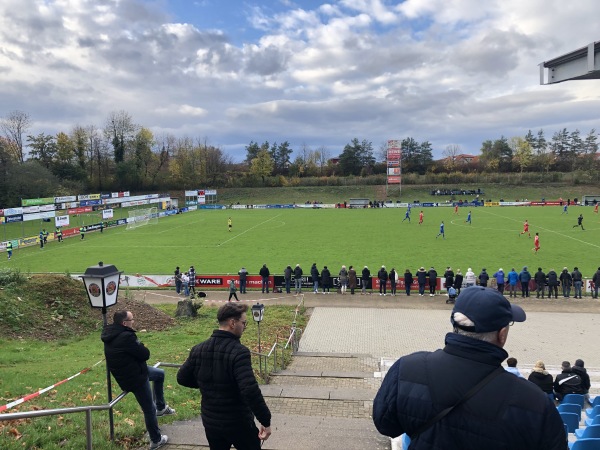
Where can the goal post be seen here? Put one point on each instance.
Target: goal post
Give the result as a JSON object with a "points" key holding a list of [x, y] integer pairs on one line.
{"points": [[140, 217]]}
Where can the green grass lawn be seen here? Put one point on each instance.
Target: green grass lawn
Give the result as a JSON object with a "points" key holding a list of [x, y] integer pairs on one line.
{"points": [[331, 237], [27, 366]]}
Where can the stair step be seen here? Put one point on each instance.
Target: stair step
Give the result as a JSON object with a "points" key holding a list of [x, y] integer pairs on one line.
{"points": [[323, 373], [317, 393]]}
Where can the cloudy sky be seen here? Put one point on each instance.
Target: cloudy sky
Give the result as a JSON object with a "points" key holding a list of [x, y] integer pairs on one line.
{"points": [[314, 73]]}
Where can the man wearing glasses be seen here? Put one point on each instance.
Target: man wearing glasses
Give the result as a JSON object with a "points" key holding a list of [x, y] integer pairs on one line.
{"points": [[221, 368], [461, 397], [126, 358]]}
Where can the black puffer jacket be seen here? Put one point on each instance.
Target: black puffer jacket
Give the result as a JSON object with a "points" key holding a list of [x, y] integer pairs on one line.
{"points": [[221, 368], [125, 356], [507, 413]]}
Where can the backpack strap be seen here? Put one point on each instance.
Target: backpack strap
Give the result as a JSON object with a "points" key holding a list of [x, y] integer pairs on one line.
{"points": [[443, 413]]}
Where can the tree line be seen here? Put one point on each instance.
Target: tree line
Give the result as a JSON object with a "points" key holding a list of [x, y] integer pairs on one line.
{"points": [[123, 155]]}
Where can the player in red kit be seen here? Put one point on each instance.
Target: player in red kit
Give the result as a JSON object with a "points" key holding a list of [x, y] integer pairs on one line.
{"points": [[420, 217], [536, 243], [526, 228]]}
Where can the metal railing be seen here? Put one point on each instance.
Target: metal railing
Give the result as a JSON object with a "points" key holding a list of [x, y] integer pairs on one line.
{"points": [[292, 341]]}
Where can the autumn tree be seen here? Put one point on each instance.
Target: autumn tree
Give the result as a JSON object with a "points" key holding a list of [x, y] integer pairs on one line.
{"points": [[262, 165], [119, 129], [42, 148], [15, 126]]}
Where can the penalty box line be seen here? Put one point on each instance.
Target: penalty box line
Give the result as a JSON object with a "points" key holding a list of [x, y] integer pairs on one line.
{"points": [[249, 229]]}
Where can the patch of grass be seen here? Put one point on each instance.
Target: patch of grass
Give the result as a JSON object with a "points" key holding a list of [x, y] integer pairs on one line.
{"points": [[27, 366]]}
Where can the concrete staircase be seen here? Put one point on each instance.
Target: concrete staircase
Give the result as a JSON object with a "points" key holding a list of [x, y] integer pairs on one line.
{"points": [[321, 401]]}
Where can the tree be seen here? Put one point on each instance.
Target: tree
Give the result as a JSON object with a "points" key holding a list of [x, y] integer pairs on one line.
{"points": [[416, 157], [559, 146], [451, 152], [262, 165], [323, 158], [65, 165], [356, 156], [79, 139], [522, 152], [496, 155], [253, 149], [15, 126], [281, 156], [43, 148], [120, 129]]}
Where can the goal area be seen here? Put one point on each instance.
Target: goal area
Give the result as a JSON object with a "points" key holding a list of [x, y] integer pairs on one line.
{"points": [[140, 217]]}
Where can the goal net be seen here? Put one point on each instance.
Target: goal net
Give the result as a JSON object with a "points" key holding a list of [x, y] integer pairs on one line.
{"points": [[141, 217]]}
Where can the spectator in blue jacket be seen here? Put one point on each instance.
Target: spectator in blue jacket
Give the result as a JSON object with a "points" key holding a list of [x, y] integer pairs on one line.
{"points": [[513, 278], [505, 412], [499, 276], [524, 278]]}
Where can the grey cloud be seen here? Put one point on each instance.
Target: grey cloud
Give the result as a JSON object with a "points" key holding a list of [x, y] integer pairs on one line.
{"points": [[267, 61]]}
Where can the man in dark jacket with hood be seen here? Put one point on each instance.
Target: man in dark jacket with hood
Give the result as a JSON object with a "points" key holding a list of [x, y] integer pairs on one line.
{"points": [[221, 368], [264, 273], [524, 278], [126, 359], [483, 278], [421, 280], [580, 370], [432, 275], [504, 412], [314, 274], [365, 279], [287, 276], [567, 382], [552, 283]]}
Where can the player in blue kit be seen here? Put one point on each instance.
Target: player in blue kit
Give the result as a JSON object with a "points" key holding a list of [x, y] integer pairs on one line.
{"points": [[441, 233]]}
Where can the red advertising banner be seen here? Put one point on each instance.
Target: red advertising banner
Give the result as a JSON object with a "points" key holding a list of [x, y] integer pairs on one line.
{"points": [[394, 179], [394, 154], [400, 286], [222, 281], [82, 210]]}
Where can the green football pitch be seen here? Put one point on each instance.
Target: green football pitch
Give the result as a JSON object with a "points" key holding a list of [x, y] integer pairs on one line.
{"points": [[332, 237]]}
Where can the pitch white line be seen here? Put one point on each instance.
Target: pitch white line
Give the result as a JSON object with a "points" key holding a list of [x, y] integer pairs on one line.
{"points": [[547, 229], [249, 229]]}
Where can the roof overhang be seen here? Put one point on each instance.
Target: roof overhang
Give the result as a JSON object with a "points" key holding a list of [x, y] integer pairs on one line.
{"points": [[580, 64]]}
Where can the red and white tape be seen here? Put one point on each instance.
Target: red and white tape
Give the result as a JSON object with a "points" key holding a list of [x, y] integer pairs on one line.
{"points": [[40, 392]]}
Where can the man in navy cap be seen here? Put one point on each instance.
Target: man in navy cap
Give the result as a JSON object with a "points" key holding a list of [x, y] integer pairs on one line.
{"points": [[460, 397]]}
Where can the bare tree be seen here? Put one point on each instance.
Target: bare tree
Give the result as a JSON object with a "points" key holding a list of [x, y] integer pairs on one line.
{"points": [[451, 152], [15, 126], [324, 157], [120, 129]]}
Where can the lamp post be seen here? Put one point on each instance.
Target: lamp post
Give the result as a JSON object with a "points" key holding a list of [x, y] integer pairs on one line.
{"points": [[258, 312], [102, 288]]}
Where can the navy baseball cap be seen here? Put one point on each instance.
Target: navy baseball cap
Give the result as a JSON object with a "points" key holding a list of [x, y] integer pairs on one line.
{"points": [[487, 308]]}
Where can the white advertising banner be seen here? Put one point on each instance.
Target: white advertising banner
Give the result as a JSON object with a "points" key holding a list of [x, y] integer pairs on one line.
{"points": [[107, 214], [61, 221]]}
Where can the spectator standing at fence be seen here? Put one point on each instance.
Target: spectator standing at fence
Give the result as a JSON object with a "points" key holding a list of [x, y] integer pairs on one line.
{"points": [[365, 280], [126, 359], [566, 281], [595, 281], [484, 277], [298, 278], [470, 278], [382, 276], [577, 281], [540, 282], [513, 279], [524, 278], [185, 282], [421, 280], [393, 276], [192, 283], [325, 279], [499, 276], [343, 277], [552, 278], [243, 273], [177, 275], [579, 222], [264, 274], [221, 368], [314, 274], [488, 407], [432, 276], [449, 277], [458, 281], [408, 280], [287, 278], [352, 279]]}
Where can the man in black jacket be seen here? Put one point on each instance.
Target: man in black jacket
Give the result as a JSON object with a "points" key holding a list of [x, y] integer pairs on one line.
{"points": [[126, 359], [540, 282], [504, 413], [365, 280], [567, 382], [432, 275], [221, 368], [265, 273]]}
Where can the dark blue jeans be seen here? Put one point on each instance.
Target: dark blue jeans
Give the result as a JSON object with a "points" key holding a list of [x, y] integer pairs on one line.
{"points": [[144, 396], [243, 438], [265, 284]]}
